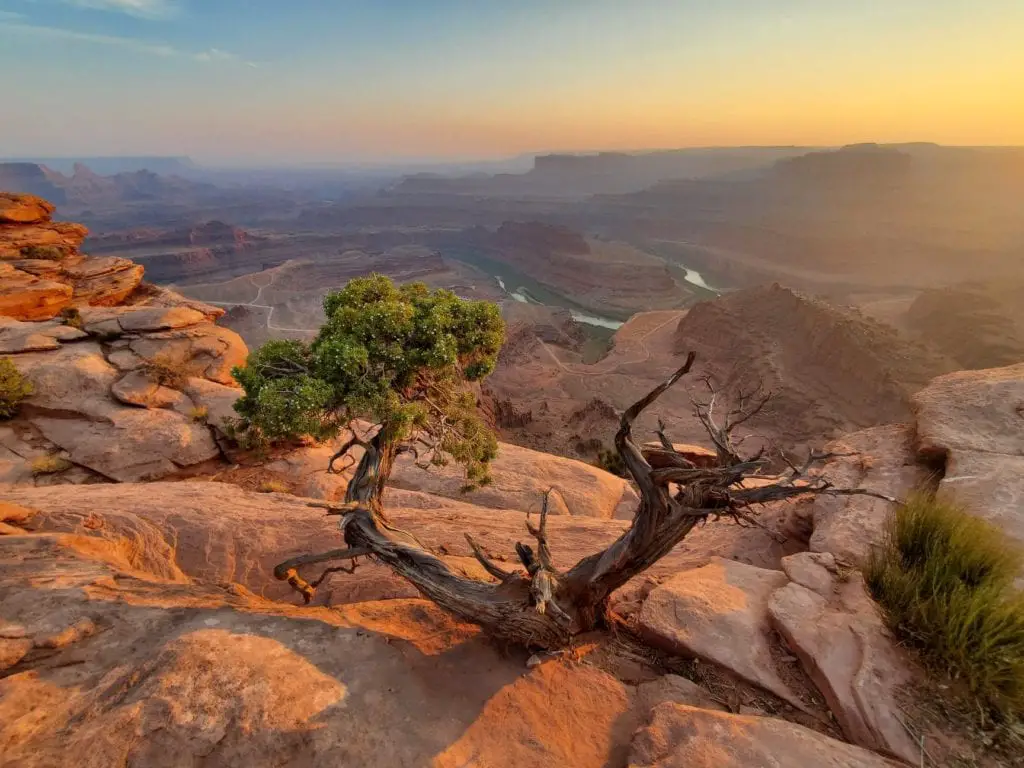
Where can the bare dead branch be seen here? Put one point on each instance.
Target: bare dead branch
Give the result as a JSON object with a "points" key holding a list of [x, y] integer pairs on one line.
{"points": [[499, 573], [288, 570], [541, 533]]}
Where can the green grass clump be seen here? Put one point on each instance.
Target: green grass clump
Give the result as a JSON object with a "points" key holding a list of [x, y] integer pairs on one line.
{"points": [[944, 580], [14, 388]]}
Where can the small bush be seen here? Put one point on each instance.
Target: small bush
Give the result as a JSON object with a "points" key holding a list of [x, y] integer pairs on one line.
{"points": [[50, 464], [610, 461], [70, 316], [944, 580], [199, 414], [13, 388], [274, 486], [46, 252], [170, 369]]}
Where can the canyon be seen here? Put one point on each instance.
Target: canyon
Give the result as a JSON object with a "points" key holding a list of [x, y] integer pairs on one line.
{"points": [[141, 621]]}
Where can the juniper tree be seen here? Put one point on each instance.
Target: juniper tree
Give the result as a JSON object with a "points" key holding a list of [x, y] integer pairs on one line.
{"points": [[400, 357]]}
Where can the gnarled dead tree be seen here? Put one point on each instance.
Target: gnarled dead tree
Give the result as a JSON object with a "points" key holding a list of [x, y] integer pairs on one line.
{"points": [[537, 604]]}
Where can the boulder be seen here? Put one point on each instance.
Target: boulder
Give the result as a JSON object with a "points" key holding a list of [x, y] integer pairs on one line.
{"points": [[677, 690], [702, 457], [131, 319], [26, 297], [136, 388], [23, 209], [103, 280], [60, 238], [75, 410], [719, 613], [219, 401], [879, 459], [17, 336], [210, 350], [686, 737], [520, 479], [973, 421], [833, 628], [132, 444]]}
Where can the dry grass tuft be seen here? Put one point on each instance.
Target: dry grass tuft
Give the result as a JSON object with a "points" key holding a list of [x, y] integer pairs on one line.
{"points": [[171, 369], [50, 464], [274, 486]]}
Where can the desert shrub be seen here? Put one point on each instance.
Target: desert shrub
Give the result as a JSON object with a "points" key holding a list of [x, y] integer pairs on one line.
{"points": [[944, 580], [46, 252], [13, 388], [71, 316], [199, 414], [610, 461], [273, 486], [49, 464], [170, 369]]}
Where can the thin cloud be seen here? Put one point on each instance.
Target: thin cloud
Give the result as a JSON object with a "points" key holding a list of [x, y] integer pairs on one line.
{"points": [[10, 16], [144, 9], [213, 55]]}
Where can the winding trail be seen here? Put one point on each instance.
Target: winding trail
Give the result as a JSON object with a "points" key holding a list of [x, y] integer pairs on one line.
{"points": [[676, 317], [259, 295]]}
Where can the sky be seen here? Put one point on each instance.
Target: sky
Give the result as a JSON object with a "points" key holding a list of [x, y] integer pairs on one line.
{"points": [[274, 81]]}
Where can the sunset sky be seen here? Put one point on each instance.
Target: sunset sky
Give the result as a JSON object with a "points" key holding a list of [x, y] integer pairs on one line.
{"points": [[302, 80]]}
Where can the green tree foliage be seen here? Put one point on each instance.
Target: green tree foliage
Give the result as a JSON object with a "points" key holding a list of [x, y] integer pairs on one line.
{"points": [[13, 388], [398, 356]]}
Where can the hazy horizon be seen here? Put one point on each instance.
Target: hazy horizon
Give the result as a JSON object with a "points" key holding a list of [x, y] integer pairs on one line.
{"points": [[448, 81]]}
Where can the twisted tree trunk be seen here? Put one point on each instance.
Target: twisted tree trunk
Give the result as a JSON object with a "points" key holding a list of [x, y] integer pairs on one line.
{"points": [[538, 605]]}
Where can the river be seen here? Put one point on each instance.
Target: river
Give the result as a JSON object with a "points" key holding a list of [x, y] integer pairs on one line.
{"points": [[523, 297]]}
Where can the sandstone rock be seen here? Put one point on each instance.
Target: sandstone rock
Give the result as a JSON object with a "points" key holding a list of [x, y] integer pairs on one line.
{"points": [[815, 570], [16, 514], [218, 400], [74, 379], [59, 237], [974, 422], [880, 459], [194, 673], [158, 296], [972, 411], [990, 485], [12, 651], [124, 359], [719, 613], [218, 533], [16, 336], [702, 457], [686, 737], [845, 649], [26, 297], [520, 478], [23, 209], [103, 280], [675, 689], [136, 388], [132, 444], [138, 319], [211, 350]]}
